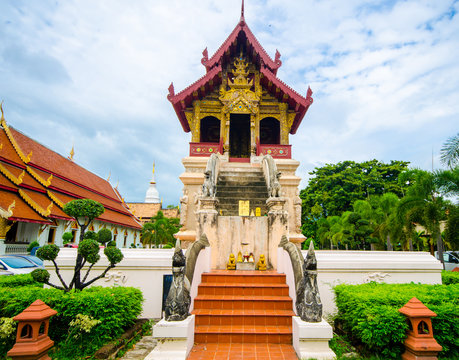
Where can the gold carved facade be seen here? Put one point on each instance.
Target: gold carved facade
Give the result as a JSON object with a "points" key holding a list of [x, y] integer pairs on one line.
{"points": [[240, 93]]}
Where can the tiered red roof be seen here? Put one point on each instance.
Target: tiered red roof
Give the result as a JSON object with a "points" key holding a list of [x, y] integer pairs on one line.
{"points": [[256, 54], [41, 182]]}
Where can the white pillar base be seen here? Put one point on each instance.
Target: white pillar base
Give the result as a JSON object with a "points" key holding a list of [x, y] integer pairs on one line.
{"points": [[175, 339], [310, 340]]}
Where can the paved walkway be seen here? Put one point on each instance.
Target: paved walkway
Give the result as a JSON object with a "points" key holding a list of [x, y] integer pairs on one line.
{"points": [[140, 350]]}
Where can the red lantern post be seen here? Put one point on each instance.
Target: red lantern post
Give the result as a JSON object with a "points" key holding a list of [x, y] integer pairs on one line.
{"points": [[32, 341], [420, 343]]}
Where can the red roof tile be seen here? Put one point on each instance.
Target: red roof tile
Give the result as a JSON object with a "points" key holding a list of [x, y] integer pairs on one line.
{"points": [[25, 175], [273, 65], [21, 211], [54, 163], [268, 67]]}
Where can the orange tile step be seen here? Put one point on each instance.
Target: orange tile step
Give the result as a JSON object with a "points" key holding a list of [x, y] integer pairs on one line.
{"points": [[237, 351], [228, 276], [243, 334], [260, 289], [243, 317], [217, 302]]}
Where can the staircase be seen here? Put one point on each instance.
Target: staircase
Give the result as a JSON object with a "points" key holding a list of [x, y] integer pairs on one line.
{"points": [[246, 183], [243, 307]]}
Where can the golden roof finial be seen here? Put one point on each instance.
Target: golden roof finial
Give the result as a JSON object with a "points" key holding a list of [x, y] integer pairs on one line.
{"points": [[153, 167], [72, 152], [109, 174], [117, 183], [1, 108]]}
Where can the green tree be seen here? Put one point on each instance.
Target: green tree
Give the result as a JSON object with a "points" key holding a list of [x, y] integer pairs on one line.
{"points": [[160, 230], [386, 226], [447, 181], [423, 205], [84, 211], [335, 187], [449, 153]]}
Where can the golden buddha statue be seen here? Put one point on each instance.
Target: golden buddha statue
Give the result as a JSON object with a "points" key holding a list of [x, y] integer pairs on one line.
{"points": [[239, 257], [231, 263], [261, 264]]}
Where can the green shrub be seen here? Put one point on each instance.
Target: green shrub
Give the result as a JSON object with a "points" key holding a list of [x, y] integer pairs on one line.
{"points": [[18, 280], [116, 308], [369, 312], [449, 277], [32, 245]]}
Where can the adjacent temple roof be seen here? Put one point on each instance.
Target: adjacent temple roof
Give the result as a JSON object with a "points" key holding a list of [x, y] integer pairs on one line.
{"points": [[36, 183], [255, 53]]}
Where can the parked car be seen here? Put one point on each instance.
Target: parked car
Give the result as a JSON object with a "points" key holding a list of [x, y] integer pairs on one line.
{"points": [[451, 260], [5, 272], [16, 264], [36, 260]]}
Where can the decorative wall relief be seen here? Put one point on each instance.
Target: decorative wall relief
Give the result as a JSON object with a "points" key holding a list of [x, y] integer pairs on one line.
{"points": [[376, 277], [118, 277]]}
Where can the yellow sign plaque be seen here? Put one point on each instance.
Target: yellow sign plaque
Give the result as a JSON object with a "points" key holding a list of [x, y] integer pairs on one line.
{"points": [[257, 211], [244, 207]]}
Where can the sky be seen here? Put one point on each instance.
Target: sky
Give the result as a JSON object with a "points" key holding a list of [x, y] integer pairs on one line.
{"points": [[94, 75]]}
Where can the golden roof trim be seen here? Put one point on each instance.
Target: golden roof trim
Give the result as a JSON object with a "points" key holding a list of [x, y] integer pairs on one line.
{"points": [[13, 142], [16, 180], [55, 199], [34, 205], [45, 183]]}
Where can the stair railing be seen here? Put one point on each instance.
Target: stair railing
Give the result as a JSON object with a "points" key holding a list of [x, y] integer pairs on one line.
{"points": [[271, 176], [209, 187]]}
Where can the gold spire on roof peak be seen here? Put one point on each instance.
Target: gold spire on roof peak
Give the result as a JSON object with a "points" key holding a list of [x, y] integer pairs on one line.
{"points": [[1, 108], [109, 175], [72, 152], [153, 167]]}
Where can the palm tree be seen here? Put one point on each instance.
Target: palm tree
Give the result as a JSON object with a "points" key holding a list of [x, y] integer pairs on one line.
{"points": [[387, 228], [425, 206], [447, 181], [449, 153]]}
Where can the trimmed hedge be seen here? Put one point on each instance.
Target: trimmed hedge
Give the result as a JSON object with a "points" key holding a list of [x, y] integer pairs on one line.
{"points": [[18, 280], [117, 308], [369, 314], [449, 277]]}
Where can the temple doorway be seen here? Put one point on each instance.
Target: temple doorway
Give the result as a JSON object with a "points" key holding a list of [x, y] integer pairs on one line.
{"points": [[239, 137]]}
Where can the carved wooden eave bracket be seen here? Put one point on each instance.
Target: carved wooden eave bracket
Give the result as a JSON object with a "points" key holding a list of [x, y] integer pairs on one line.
{"points": [[13, 141], [36, 176], [17, 180], [5, 214], [43, 212]]}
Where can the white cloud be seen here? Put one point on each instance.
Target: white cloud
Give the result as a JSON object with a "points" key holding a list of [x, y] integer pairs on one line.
{"points": [[384, 75]]}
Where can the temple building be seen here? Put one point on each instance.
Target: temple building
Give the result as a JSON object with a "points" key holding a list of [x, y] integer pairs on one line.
{"points": [[36, 183], [242, 112]]}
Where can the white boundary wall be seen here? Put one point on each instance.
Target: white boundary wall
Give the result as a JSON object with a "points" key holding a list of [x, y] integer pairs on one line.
{"points": [[358, 267], [144, 269]]}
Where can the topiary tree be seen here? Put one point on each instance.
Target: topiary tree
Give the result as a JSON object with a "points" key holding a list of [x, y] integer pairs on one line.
{"points": [[84, 211], [104, 236], [67, 237]]}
